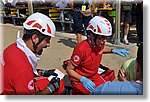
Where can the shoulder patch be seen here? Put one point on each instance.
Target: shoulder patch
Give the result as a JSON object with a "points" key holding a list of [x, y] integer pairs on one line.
{"points": [[31, 85], [76, 58]]}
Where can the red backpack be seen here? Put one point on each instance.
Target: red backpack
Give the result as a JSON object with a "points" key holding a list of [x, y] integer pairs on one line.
{"points": [[106, 73]]}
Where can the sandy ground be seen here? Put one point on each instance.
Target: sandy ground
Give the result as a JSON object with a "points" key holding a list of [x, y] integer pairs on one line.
{"points": [[62, 47]]}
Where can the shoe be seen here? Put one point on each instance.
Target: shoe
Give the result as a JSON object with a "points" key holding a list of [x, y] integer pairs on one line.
{"points": [[67, 19], [125, 41]]}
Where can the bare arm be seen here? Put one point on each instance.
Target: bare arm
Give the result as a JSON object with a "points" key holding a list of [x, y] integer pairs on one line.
{"points": [[122, 75], [70, 71], [107, 50]]}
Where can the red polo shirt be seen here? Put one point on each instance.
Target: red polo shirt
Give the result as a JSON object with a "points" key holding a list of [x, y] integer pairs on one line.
{"points": [[18, 72], [86, 59]]}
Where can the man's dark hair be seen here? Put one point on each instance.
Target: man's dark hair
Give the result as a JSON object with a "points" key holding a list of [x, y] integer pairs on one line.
{"points": [[28, 34], [140, 54]]}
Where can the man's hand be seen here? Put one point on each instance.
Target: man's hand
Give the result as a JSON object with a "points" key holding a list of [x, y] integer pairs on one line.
{"points": [[88, 84], [54, 84], [122, 75], [47, 73], [122, 52]]}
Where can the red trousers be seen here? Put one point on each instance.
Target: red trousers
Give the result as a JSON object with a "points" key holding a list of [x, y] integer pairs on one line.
{"points": [[79, 89]]}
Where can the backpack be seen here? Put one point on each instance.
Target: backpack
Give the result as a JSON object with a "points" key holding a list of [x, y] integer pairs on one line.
{"points": [[106, 73]]}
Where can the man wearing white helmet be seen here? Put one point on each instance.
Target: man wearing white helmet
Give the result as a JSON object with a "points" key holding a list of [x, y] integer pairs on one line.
{"points": [[87, 55], [20, 58]]}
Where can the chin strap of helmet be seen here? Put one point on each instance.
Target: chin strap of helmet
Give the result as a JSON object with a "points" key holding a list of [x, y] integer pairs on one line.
{"points": [[89, 38], [35, 46], [95, 37]]}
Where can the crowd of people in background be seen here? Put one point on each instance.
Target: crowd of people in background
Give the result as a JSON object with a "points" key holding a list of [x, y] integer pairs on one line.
{"points": [[131, 14]]}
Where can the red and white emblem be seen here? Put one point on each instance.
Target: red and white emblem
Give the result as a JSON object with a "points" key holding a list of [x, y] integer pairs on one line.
{"points": [[76, 58], [31, 85]]}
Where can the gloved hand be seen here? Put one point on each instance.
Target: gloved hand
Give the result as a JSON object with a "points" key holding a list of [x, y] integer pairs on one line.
{"points": [[122, 52], [47, 73], [54, 84], [88, 84]]}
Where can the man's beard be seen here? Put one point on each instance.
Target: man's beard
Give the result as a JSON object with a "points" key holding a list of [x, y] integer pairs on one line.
{"points": [[40, 52]]}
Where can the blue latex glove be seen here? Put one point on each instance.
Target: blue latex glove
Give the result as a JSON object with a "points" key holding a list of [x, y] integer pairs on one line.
{"points": [[122, 52], [88, 84]]}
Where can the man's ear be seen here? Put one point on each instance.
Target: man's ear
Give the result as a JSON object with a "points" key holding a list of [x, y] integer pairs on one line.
{"points": [[35, 38]]}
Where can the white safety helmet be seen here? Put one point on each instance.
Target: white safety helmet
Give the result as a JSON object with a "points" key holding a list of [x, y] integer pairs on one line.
{"points": [[41, 23], [100, 26]]}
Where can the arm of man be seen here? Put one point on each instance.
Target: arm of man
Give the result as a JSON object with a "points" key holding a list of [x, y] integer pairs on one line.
{"points": [[76, 59], [46, 73], [52, 87], [70, 70], [122, 75], [107, 50], [88, 84], [121, 52]]}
